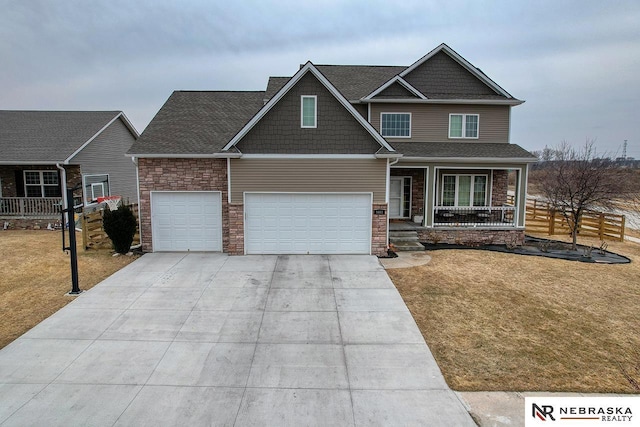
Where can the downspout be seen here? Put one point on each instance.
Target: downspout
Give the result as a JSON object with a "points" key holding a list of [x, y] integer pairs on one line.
{"points": [[65, 203], [135, 162]]}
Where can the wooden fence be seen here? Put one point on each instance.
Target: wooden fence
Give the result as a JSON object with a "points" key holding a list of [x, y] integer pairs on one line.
{"points": [[93, 235], [541, 218]]}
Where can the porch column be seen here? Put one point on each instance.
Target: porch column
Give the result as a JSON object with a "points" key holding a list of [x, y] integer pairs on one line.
{"points": [[429, 197]]}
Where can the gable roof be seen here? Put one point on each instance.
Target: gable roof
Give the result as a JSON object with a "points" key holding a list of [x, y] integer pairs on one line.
{"points": [[40, 137], [476, 72], [197, 122], [308, 68], [399, 81]]}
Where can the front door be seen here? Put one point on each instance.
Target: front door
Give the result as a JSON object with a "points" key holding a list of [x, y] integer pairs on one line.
{"points": [[399, 197]]}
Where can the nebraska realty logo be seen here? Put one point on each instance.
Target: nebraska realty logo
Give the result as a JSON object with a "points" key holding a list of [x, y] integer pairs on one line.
{"points": [[582, 411]]}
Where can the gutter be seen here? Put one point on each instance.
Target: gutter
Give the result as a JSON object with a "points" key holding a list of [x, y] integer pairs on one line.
{"points": [[21, 162], [389, 156], [473, 159], [186, 156], [442, 101]]}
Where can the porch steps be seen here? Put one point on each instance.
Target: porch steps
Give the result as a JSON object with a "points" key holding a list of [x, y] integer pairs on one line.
{"points": [[405, 240]]}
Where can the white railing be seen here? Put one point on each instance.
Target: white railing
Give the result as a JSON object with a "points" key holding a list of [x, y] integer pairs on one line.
{"points": [[485, 216], [30, 206]]}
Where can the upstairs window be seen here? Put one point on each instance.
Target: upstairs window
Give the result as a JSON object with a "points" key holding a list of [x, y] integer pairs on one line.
{"points": [[308, 111], [395, 125], [463, 125], [41, 184]]}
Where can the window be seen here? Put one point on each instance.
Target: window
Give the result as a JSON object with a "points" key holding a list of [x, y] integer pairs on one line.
{"points": [[41, 184], [308, 111], [463, 125], [397, 125], [464, 190]]}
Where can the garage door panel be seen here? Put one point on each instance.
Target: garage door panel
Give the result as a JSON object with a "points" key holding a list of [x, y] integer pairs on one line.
{"points": [[307, 223], [186, 221]]}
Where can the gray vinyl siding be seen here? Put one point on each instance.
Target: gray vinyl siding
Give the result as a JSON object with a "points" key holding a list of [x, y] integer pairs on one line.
{"points": [[280, 132], [442, 77], [106, 155], [308, 175], [430, 122], [362, 109], [395, 91]]}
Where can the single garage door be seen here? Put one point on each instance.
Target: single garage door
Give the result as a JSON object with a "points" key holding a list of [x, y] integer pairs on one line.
{"points": [[186, 220], [309, 223]]}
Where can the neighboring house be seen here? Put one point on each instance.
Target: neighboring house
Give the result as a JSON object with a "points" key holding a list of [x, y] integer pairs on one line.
{"points": [[325, 161], [42, 153]]}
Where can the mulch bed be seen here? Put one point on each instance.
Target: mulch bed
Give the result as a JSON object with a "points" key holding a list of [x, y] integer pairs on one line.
{"points": [[535, 246]]}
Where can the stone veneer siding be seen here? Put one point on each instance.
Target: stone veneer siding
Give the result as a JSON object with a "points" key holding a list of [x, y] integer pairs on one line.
{"points": [[471, 236], [236, 229], [379, 242], [499, 187], [181, 175]]}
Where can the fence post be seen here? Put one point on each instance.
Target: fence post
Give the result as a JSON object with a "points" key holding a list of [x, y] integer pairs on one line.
{"points": [[84, 231], [622, 228], [601, 226], [552, 222]]}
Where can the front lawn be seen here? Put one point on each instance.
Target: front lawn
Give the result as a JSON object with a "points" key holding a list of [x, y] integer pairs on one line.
{"points": [[35, 275], [497, 321]]}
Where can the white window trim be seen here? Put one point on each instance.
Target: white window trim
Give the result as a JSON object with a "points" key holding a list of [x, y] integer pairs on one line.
{"points": [[315, 111], [464, 126], [471, 189], [396, 112], [42, 184]]}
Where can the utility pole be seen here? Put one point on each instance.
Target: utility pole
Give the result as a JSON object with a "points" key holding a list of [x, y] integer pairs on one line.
{"points": [[624, 150]]}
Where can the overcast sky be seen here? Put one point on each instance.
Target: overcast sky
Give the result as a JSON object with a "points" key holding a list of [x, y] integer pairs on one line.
{"points": [[575, 63]]}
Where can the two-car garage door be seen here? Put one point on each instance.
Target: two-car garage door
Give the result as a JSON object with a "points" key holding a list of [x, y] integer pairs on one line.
{"points": [[307, 223], [274, 223]]}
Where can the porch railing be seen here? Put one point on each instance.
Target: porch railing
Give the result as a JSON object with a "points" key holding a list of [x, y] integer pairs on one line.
{"points": [[30, 206], [485, 216]]}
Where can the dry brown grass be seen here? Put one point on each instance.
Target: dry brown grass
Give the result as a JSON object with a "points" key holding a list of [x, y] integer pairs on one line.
{"points": [[36, 275], [497, 321]]}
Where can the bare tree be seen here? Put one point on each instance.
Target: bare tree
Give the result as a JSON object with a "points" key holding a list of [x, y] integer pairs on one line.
{"points": [[577, 180]]}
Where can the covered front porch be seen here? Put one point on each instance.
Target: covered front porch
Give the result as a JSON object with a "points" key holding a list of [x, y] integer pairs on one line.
{"points": [[457, 203]]}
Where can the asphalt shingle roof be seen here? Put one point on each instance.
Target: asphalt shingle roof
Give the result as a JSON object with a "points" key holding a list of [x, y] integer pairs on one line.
{"points": [[197, 122], [353, 81], [477, 150], [47, 136]]}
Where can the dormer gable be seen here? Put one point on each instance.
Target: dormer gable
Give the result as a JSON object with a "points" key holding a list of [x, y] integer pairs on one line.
{"points": [[336, 128], [396, 88]]}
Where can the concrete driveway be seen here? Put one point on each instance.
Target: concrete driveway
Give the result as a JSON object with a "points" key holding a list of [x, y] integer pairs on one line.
{"points": [[208, 339]]}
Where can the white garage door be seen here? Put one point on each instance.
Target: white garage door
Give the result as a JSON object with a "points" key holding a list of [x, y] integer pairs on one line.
{"points": [[293, 223], [186, 221]]}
